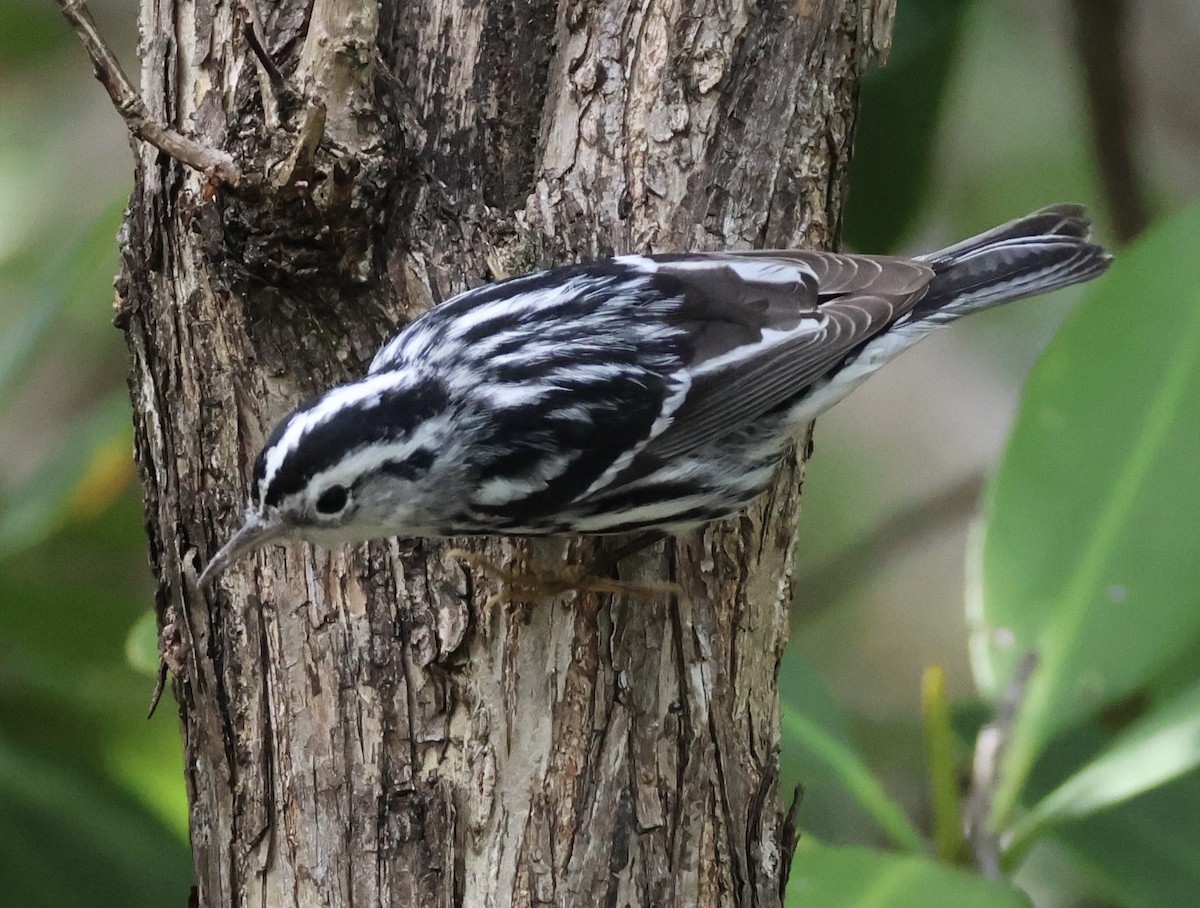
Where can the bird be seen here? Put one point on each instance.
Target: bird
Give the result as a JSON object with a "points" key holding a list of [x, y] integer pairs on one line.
{"points": [[635, 394]]}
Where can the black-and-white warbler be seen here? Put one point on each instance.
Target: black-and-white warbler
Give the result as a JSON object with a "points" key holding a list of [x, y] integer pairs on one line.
{"points": [[635, 393]]}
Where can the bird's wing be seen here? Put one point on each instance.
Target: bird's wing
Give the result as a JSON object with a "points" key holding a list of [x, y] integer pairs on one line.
{"points": [[762, 327]]}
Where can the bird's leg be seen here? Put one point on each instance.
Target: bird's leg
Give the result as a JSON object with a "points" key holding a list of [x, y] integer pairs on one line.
{"points": [[532, 582]]}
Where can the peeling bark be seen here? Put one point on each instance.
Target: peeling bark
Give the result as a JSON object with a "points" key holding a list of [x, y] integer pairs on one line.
{"points": [[359, 728]]}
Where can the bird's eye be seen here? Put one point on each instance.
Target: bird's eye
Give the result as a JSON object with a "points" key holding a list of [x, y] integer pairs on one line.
{"points": [[332, 500]]}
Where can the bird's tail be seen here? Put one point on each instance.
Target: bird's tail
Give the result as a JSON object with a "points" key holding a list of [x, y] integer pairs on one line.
{"points": [[1040, 252]]}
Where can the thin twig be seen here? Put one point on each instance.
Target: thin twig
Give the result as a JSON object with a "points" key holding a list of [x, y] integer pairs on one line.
{"points": [[1101, 27], [216, 165], [990, 746]]}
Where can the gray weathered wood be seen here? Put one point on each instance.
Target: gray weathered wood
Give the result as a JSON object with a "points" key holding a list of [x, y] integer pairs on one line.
{"points": [[359, 728]]}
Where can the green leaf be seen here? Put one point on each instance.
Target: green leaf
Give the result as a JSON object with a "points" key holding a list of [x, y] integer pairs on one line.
{"points": [[897, 123], [1156, 749], [854, 877], [1143, 852], [813, 736], [1088, 554]]}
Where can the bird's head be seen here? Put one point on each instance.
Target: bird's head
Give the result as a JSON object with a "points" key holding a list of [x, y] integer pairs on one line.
{"points": [[352, 464]]}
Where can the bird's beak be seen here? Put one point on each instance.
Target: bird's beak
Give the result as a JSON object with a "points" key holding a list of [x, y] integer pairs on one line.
{"points": [[254, 532]]}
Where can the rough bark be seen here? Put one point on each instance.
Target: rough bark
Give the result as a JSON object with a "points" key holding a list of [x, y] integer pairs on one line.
{"points": [[359, 728]]}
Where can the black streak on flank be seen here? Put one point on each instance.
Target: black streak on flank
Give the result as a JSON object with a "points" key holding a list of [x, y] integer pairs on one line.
{"points": [[392, 417]]}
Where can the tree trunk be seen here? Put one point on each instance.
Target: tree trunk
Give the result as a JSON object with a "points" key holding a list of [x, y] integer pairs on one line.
{"points": [[359, 726]]}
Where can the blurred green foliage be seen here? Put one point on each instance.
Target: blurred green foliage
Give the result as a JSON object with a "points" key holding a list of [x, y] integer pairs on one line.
{"points": [[92, 810], [1086, 557], [92, 807]]}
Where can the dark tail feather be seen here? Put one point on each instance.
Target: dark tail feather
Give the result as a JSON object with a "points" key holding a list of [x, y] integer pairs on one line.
{"points": [[1040, 252]]}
